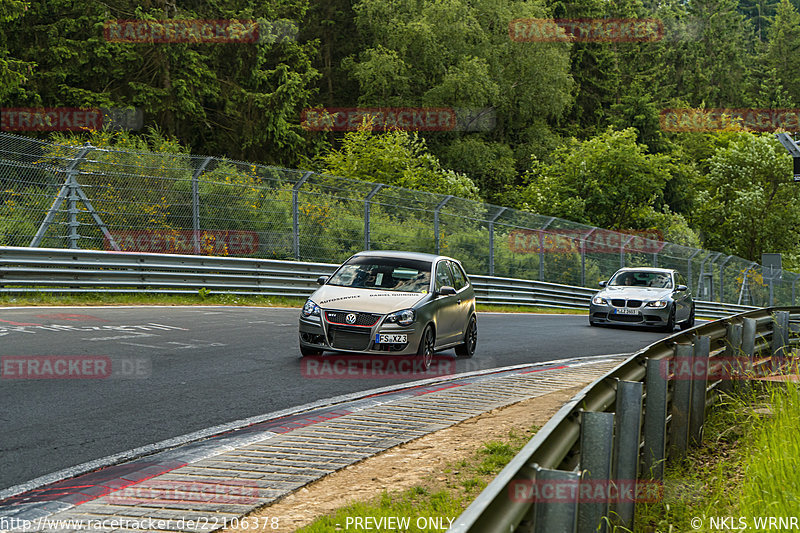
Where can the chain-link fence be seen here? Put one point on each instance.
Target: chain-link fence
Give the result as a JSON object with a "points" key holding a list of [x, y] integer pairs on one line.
{"points": [[85, 197]]}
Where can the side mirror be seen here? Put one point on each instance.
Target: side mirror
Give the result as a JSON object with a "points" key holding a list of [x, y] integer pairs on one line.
{"points": [[322, 279], [447, 290], [681, 288], [603, 283]]}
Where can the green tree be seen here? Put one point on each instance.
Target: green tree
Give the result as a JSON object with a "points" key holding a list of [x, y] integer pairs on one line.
{"points": [[783, 51], [608, 181], [394, 158], [12, 73], [747, 204]]}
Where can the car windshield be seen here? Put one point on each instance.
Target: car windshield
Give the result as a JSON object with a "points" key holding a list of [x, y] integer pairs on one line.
{"points": [[381, 273], [659, 280]]}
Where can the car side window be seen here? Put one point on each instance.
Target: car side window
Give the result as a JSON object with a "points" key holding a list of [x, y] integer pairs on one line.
{"points": [[459, 278], [443, 276]]}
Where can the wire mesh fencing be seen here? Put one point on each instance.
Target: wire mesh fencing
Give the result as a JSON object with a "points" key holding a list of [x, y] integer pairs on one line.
{"points": [[86, 197]]}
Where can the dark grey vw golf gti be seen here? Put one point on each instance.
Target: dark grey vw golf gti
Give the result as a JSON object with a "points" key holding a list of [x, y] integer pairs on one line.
{"points": [[655, 297], [393, 303]]}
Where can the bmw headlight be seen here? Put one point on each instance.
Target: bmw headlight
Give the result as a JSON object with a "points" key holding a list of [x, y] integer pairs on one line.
{"points": [[310, 309], [597, 300], [404, 318], [659, 304]]}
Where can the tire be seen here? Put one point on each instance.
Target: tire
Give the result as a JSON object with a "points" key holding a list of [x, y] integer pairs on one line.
{"points": [[426, 347], [467, 349], [670, 327], [593, 323], [305, 351], [689, 323]]}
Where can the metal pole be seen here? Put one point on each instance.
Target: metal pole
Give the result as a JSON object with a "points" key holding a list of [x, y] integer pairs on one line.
{"points": [[622, 252], [67, 189], [296, 215], [689, 269], [655, 418], [436, 219], [722, 279], [681, 400], [491, 239], [367, 207], [541, 247], [196, 204], [557, 515], [583, 256], [697, 415]]}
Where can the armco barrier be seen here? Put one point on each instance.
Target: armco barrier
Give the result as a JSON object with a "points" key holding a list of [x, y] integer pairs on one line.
{"points": [[626, 425], [58, 270]]}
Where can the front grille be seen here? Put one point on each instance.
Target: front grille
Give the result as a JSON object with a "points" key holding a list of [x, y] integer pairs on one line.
{"points": [[624, 318], [362, 319], [346, 339], [619, 302]]}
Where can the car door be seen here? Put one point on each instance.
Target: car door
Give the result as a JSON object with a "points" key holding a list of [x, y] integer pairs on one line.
{"points": [[446, 306], [683, 299], [463, 300]]}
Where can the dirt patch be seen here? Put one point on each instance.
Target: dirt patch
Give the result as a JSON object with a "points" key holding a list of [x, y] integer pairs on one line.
{"points": [[407, 465]]}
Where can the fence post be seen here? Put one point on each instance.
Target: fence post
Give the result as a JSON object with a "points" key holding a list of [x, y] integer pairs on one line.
{"points": [[689, 268], [697, 415], [597, 438], [626, 449], [541, 247], [681, 401], [622, 252], [583, 255], [296, 215], [655, 418], [68, 190], [558, 516], [196, 203], [491, 238], [367, 208], [436, 219], [722, 279]]}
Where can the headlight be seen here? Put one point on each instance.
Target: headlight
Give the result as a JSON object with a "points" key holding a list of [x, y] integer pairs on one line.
{"points": [[660, 304], [597, 300], [310, 309], [404, 318]]}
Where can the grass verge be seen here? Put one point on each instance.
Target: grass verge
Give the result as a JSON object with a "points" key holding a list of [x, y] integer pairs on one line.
{"points": [[431, 505], [747, 468]]}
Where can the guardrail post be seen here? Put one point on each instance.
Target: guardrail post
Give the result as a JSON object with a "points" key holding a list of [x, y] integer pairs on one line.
{"points": [[296, 215], [655, 418], [626, 449], [731, 360], [367, 208], [780, 338], [681, 400], [697, 415], [555, 515], [196, 204], [597, 437]]}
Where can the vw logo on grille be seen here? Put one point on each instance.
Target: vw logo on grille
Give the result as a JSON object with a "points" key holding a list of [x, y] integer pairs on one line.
{"points": [[350, 318]]}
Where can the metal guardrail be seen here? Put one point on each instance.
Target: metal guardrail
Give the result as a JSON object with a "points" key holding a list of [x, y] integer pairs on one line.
{"points": [[59, 270], [626, 425]]}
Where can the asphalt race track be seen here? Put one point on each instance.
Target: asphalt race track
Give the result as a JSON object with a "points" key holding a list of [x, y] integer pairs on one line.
{"points": [[79, 384]]}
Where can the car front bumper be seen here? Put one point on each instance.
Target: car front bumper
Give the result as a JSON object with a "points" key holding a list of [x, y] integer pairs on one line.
{"points": [[317, 333], [644, 316]]}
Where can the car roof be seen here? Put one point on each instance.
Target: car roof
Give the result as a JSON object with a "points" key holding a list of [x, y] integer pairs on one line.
{"points": [[648, 269], [397, 254]]}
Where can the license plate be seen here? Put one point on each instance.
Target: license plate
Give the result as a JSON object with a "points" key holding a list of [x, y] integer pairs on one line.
{"points": [[625, 311], [391, 338]]}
